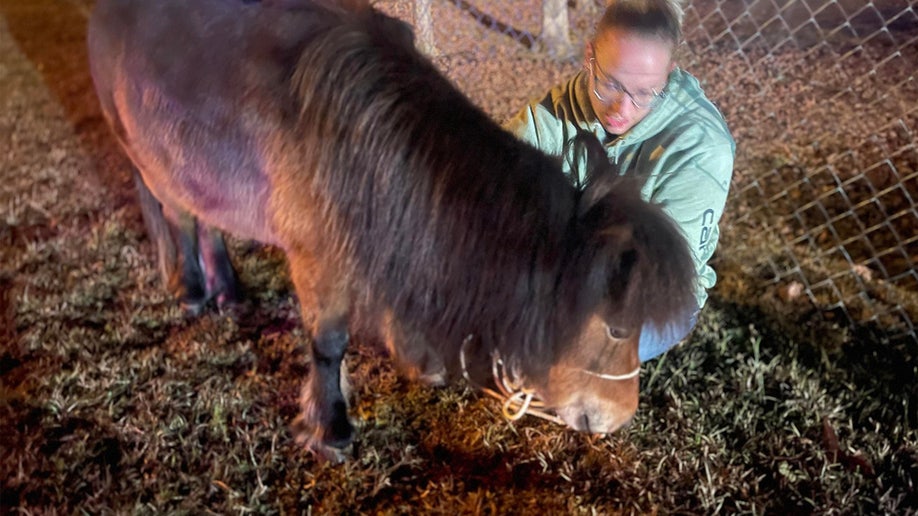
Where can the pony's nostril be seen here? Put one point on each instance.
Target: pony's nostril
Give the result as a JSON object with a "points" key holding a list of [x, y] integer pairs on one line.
{"points": [[585, 420]]}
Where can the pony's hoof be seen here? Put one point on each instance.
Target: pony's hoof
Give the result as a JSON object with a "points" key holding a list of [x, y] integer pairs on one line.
{"points": [[335, 431], [192, 300], [226, 300], [327, 444], [192, 308], [437, 379], [326, 454], [228, 294]]}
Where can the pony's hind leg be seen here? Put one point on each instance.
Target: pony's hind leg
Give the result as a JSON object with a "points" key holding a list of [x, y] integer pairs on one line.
{"points": [[159, 230], [179, 264], [323, 423], [206, 270], [221, 283], [188, 284], [199, 267]]}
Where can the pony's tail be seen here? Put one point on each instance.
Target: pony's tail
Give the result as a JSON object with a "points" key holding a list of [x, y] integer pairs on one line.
{"points": [[158, 229]]}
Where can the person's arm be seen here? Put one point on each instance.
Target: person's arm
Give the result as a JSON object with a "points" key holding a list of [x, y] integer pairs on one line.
{"points": [[538, 126], [694, 194]]}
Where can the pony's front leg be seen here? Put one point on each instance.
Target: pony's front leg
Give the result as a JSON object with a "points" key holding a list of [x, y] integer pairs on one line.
{"points": [[323, 423], [416, 358]]}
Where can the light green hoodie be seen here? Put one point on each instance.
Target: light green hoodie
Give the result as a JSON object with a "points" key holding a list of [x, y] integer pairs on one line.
{"points": [[682, 147]]}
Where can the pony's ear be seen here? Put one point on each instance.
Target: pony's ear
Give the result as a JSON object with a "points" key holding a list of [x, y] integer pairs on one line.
{"points": [[598, 177], [397, 30]]}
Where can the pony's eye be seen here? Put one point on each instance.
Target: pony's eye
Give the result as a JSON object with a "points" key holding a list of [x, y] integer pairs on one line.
{"points": [[616, 332]]}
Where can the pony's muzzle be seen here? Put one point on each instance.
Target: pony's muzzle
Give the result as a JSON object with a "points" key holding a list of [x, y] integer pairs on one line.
{"points": [[596, 422]]}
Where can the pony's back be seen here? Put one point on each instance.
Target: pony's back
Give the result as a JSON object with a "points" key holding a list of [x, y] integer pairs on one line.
{"points": [[199, 92]]}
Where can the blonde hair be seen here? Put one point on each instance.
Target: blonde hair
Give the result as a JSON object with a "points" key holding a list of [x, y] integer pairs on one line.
{"points": [[658, 18]]}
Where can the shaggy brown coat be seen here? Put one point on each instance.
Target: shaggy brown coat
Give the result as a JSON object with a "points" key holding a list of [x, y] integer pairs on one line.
{"points": [[317, 126]]}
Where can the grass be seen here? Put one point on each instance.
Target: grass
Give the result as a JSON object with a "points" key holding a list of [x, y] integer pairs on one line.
{"points": [[111, 401], [114, 402]]}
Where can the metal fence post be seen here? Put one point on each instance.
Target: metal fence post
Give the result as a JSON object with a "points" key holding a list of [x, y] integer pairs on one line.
{"points": [[555, 30], [423, 23]]}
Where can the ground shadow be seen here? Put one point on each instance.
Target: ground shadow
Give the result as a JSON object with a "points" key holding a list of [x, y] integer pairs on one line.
{"points": [[52, 35]]}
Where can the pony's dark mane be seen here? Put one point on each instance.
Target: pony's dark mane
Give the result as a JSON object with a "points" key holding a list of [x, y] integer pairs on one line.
{"points": [[451, 220], [433, 195], [651, 273]]}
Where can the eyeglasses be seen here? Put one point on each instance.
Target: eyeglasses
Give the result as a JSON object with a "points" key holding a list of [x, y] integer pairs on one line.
{"points": [[607, 89]]}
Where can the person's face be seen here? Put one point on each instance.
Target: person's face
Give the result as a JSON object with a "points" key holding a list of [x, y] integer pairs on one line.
{"points": [[627, 74]]}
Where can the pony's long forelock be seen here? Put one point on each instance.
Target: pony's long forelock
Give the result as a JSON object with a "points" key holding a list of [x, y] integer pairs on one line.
{"points": [[651, 273]]}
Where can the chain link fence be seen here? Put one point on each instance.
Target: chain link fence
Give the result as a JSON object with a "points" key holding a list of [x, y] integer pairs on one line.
{"points": [[822, 98]]}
